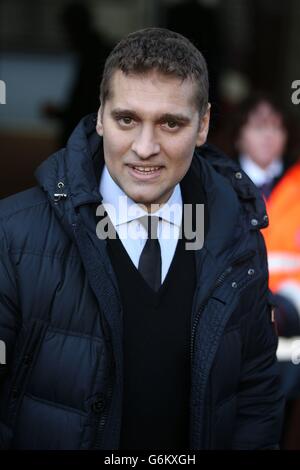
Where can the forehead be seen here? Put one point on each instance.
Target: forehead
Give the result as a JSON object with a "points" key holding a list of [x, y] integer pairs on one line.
{"points": [[265, 115], [152, 90]]}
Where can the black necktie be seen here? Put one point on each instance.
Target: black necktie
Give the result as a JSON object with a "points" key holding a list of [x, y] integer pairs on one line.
{"points": [[150, 259]]}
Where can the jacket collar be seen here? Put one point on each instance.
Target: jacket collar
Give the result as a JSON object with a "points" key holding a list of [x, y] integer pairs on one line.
{"points": [[78, 166]]}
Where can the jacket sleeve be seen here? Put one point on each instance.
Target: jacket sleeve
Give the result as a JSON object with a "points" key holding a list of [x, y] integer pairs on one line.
{"points": [[260, 402], [286, 315], [9, 320]]}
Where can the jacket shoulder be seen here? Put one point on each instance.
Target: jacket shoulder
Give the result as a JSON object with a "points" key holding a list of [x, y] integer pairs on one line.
{"points": [[249, 196], [22, 201], [29, 224], [23, 216]]}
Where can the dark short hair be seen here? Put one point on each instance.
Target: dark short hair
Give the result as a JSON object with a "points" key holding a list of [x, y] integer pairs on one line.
{"points": [[251, 103], [161, 50]]}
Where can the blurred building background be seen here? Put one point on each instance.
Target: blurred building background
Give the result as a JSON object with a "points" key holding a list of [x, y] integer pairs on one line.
{"points": [[249, 45], [51, 59]]}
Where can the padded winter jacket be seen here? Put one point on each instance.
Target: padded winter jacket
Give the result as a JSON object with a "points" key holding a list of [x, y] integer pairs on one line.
{"points": [[61, 314]]}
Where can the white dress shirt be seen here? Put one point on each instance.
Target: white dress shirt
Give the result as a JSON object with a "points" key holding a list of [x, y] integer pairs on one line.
{"points": [[258, 175], [124, 214]]}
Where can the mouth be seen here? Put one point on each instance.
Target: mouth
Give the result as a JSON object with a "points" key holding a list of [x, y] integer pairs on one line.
{"points": [[145, 172]]}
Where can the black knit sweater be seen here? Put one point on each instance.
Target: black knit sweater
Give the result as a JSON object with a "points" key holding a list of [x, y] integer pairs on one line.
{"points": [[156, 352]]}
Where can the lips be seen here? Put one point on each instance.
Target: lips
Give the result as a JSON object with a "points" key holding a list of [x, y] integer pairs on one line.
{"points": [[146, 169], [145, 172]]}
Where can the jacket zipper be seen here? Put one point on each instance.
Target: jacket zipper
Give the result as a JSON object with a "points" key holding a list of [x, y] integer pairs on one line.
{"points": [[100, 421], [102, 413], [219, 282]]}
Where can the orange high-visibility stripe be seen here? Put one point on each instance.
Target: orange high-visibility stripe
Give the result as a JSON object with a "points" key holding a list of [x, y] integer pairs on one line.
{"points": [[282, 237]]}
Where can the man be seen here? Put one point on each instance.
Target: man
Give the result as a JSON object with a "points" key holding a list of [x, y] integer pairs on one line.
{"points": [[138, 339]]}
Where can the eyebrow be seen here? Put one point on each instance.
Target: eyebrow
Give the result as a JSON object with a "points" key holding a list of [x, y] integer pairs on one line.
{"points": [[178, 117]]}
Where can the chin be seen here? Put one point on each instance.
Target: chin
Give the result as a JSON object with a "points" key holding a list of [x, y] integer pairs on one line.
{"points": [[137, 194], [142, 200]]}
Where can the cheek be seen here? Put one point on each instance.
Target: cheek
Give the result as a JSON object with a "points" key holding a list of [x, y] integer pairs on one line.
{"points": [[279, 142], [250, 142], [181, 150], [115, 146], [181, 162]]}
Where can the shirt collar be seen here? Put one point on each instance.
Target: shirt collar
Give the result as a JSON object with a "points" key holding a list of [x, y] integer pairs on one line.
{"points": [[258, 175], [121, 209]]}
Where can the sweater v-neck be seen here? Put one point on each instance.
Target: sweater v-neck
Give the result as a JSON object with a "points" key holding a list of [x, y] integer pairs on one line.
{"points": [[153, 296]]}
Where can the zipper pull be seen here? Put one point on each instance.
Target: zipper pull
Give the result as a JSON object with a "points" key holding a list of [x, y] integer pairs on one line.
{"points": [[60, 195]]}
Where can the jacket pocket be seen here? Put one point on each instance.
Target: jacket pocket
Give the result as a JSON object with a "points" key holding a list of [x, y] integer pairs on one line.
{"points": [[33, 340]]}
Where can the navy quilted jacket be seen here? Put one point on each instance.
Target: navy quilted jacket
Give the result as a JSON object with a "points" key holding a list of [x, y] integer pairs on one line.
{"points": [[61, 316]]}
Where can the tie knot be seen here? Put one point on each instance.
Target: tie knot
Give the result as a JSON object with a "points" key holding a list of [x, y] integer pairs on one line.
{"points": [[150, 223]]}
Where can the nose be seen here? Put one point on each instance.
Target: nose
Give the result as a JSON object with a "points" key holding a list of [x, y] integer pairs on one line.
{"points": [[144, 144]]}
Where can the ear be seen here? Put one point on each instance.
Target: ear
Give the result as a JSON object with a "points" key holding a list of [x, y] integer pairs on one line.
{"points": [[99, 126], [203, 128]]}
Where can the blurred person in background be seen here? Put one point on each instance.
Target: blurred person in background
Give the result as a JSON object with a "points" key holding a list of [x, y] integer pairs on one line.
{"points": [[91, 51], [261, 141]]}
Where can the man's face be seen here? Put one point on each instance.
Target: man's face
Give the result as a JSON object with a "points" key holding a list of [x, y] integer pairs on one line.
{"points": [[150, 127], [263, 137]]}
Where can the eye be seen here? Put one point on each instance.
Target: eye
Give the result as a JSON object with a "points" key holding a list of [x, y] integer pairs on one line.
{"points": [[171, 125], [126, 120]]}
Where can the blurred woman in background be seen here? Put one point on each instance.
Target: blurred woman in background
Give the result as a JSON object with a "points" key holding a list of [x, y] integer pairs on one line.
{"points": [[261, 142]]}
